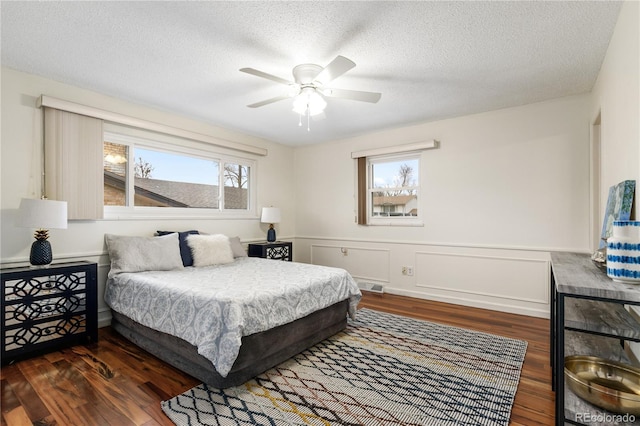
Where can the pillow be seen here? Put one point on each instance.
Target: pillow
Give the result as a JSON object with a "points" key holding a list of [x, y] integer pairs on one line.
{"points": [[185, 250], [236, 247], [137, 254], [210, 249]]}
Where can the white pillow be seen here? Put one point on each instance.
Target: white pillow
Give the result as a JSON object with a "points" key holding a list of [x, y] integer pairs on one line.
{"points": [[137, 254], [210, 249]]}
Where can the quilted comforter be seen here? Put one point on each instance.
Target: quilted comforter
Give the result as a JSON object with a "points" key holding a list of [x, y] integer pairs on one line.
{"points": [[213, 307]]}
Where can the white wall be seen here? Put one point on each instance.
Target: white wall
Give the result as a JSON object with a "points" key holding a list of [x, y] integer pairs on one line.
{"points": [[616, 96], [504, 189], [21, 141]]}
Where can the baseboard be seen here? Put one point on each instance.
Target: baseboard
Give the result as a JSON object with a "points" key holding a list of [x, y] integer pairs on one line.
{"points": [[543, 312], [372, 287]]}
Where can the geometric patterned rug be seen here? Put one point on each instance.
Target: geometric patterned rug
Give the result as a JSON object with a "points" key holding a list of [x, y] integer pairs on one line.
{"points": [[383, 369]]}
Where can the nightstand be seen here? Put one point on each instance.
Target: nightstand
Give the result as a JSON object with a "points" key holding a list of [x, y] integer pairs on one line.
{"points": [[281, 250], [46, 309]]}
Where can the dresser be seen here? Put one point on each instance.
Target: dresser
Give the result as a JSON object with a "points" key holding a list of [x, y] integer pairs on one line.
{"points": [[46, 309]]}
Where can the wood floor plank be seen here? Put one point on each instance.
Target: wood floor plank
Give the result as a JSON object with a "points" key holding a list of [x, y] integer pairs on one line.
{"points": [[114, 393], [144, 369], [23, 390], [156, 413], [41, 375], [16, 416], [113, 382], [9, 399]]}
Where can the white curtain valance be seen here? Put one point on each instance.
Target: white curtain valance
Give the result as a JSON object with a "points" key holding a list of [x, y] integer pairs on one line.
{"points": [[398, 149], [60, 104]]}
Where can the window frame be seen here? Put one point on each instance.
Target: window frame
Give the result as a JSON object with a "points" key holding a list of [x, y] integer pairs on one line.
{"points": [[370, 190], [149, 212]]}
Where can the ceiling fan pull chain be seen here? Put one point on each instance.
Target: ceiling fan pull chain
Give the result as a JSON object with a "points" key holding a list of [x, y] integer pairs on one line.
{"points": [[300, 120], [308, 119]]}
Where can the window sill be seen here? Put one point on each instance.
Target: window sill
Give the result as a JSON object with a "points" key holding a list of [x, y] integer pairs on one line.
{"points": [[115, 213], [395, 222]]}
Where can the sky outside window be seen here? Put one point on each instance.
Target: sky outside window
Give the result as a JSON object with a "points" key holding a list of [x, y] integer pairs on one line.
{"points": [[387, 174], [179, 168]]}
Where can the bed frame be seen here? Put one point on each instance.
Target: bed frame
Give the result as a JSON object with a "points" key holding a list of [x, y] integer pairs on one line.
{"points": [[258, 353]]}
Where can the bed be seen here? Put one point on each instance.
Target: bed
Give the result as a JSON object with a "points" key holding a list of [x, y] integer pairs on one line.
{"points": [[228, 322]]}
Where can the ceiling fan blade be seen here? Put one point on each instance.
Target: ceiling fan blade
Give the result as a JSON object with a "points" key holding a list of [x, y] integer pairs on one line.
{"points": [[262, 74], [268, 101], [354, 95], [335, 69]]}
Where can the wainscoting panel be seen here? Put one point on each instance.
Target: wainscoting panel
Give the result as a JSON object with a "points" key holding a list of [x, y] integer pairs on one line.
{"points": [[363, 263], [504, 279], [500, 278]]}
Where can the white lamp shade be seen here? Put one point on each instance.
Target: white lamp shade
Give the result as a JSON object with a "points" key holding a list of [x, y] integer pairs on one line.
{"points": [[270, 215], [42, 214], [309, 101]]}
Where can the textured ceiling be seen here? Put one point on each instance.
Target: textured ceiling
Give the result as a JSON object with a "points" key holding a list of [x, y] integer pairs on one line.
{"points": [[430, 60]]}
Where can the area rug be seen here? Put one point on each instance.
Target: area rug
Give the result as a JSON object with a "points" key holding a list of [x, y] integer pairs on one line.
{"points": [[382, 369]]}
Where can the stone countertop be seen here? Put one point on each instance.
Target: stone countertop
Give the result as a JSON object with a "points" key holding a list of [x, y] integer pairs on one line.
{"points": [[576, 275]]}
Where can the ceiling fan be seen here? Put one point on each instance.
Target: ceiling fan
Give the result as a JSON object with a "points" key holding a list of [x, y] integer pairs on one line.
{"points": [[310, 87]]}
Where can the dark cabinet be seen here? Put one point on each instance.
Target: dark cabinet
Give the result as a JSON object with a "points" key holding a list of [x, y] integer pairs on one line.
{"points": [[588, 318], [46, 309], [280, 250]]}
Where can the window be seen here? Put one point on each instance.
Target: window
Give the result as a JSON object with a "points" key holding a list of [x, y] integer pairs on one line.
{"points": [[236, 183], [143, 177], [388, 184], [393, 187]]}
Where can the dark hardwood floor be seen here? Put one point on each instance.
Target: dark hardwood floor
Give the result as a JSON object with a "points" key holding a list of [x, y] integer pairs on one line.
{"points": [[112, 382]]}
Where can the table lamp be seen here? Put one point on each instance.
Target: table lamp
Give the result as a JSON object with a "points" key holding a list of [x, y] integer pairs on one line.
{"points": [[270, 215], [42, 215]]}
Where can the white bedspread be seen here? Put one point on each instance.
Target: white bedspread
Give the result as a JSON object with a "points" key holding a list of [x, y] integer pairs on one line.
{"points": [[213, 307]]}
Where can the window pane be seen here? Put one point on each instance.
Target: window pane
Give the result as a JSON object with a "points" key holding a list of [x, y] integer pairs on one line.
{"points": [[169, 180], [236, 186], [115, 161], [402, 203], [394, 174], [394, 187]]}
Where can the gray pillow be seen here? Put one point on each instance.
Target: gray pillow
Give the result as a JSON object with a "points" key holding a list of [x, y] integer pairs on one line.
{"points": [[137, 254], [236, 247], [185, 251]]}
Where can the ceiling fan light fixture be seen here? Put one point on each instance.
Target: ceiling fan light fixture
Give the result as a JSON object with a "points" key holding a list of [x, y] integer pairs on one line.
{"points": [[309, 102], [308, 87], [293, 90]]}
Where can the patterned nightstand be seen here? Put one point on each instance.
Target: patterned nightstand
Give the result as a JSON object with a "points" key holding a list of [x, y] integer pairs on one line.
{"points": [[47, 309], [281, 250]]}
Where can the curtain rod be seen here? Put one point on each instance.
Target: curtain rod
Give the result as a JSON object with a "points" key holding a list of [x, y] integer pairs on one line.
{"points": [[418, 146], [61, 104]]}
